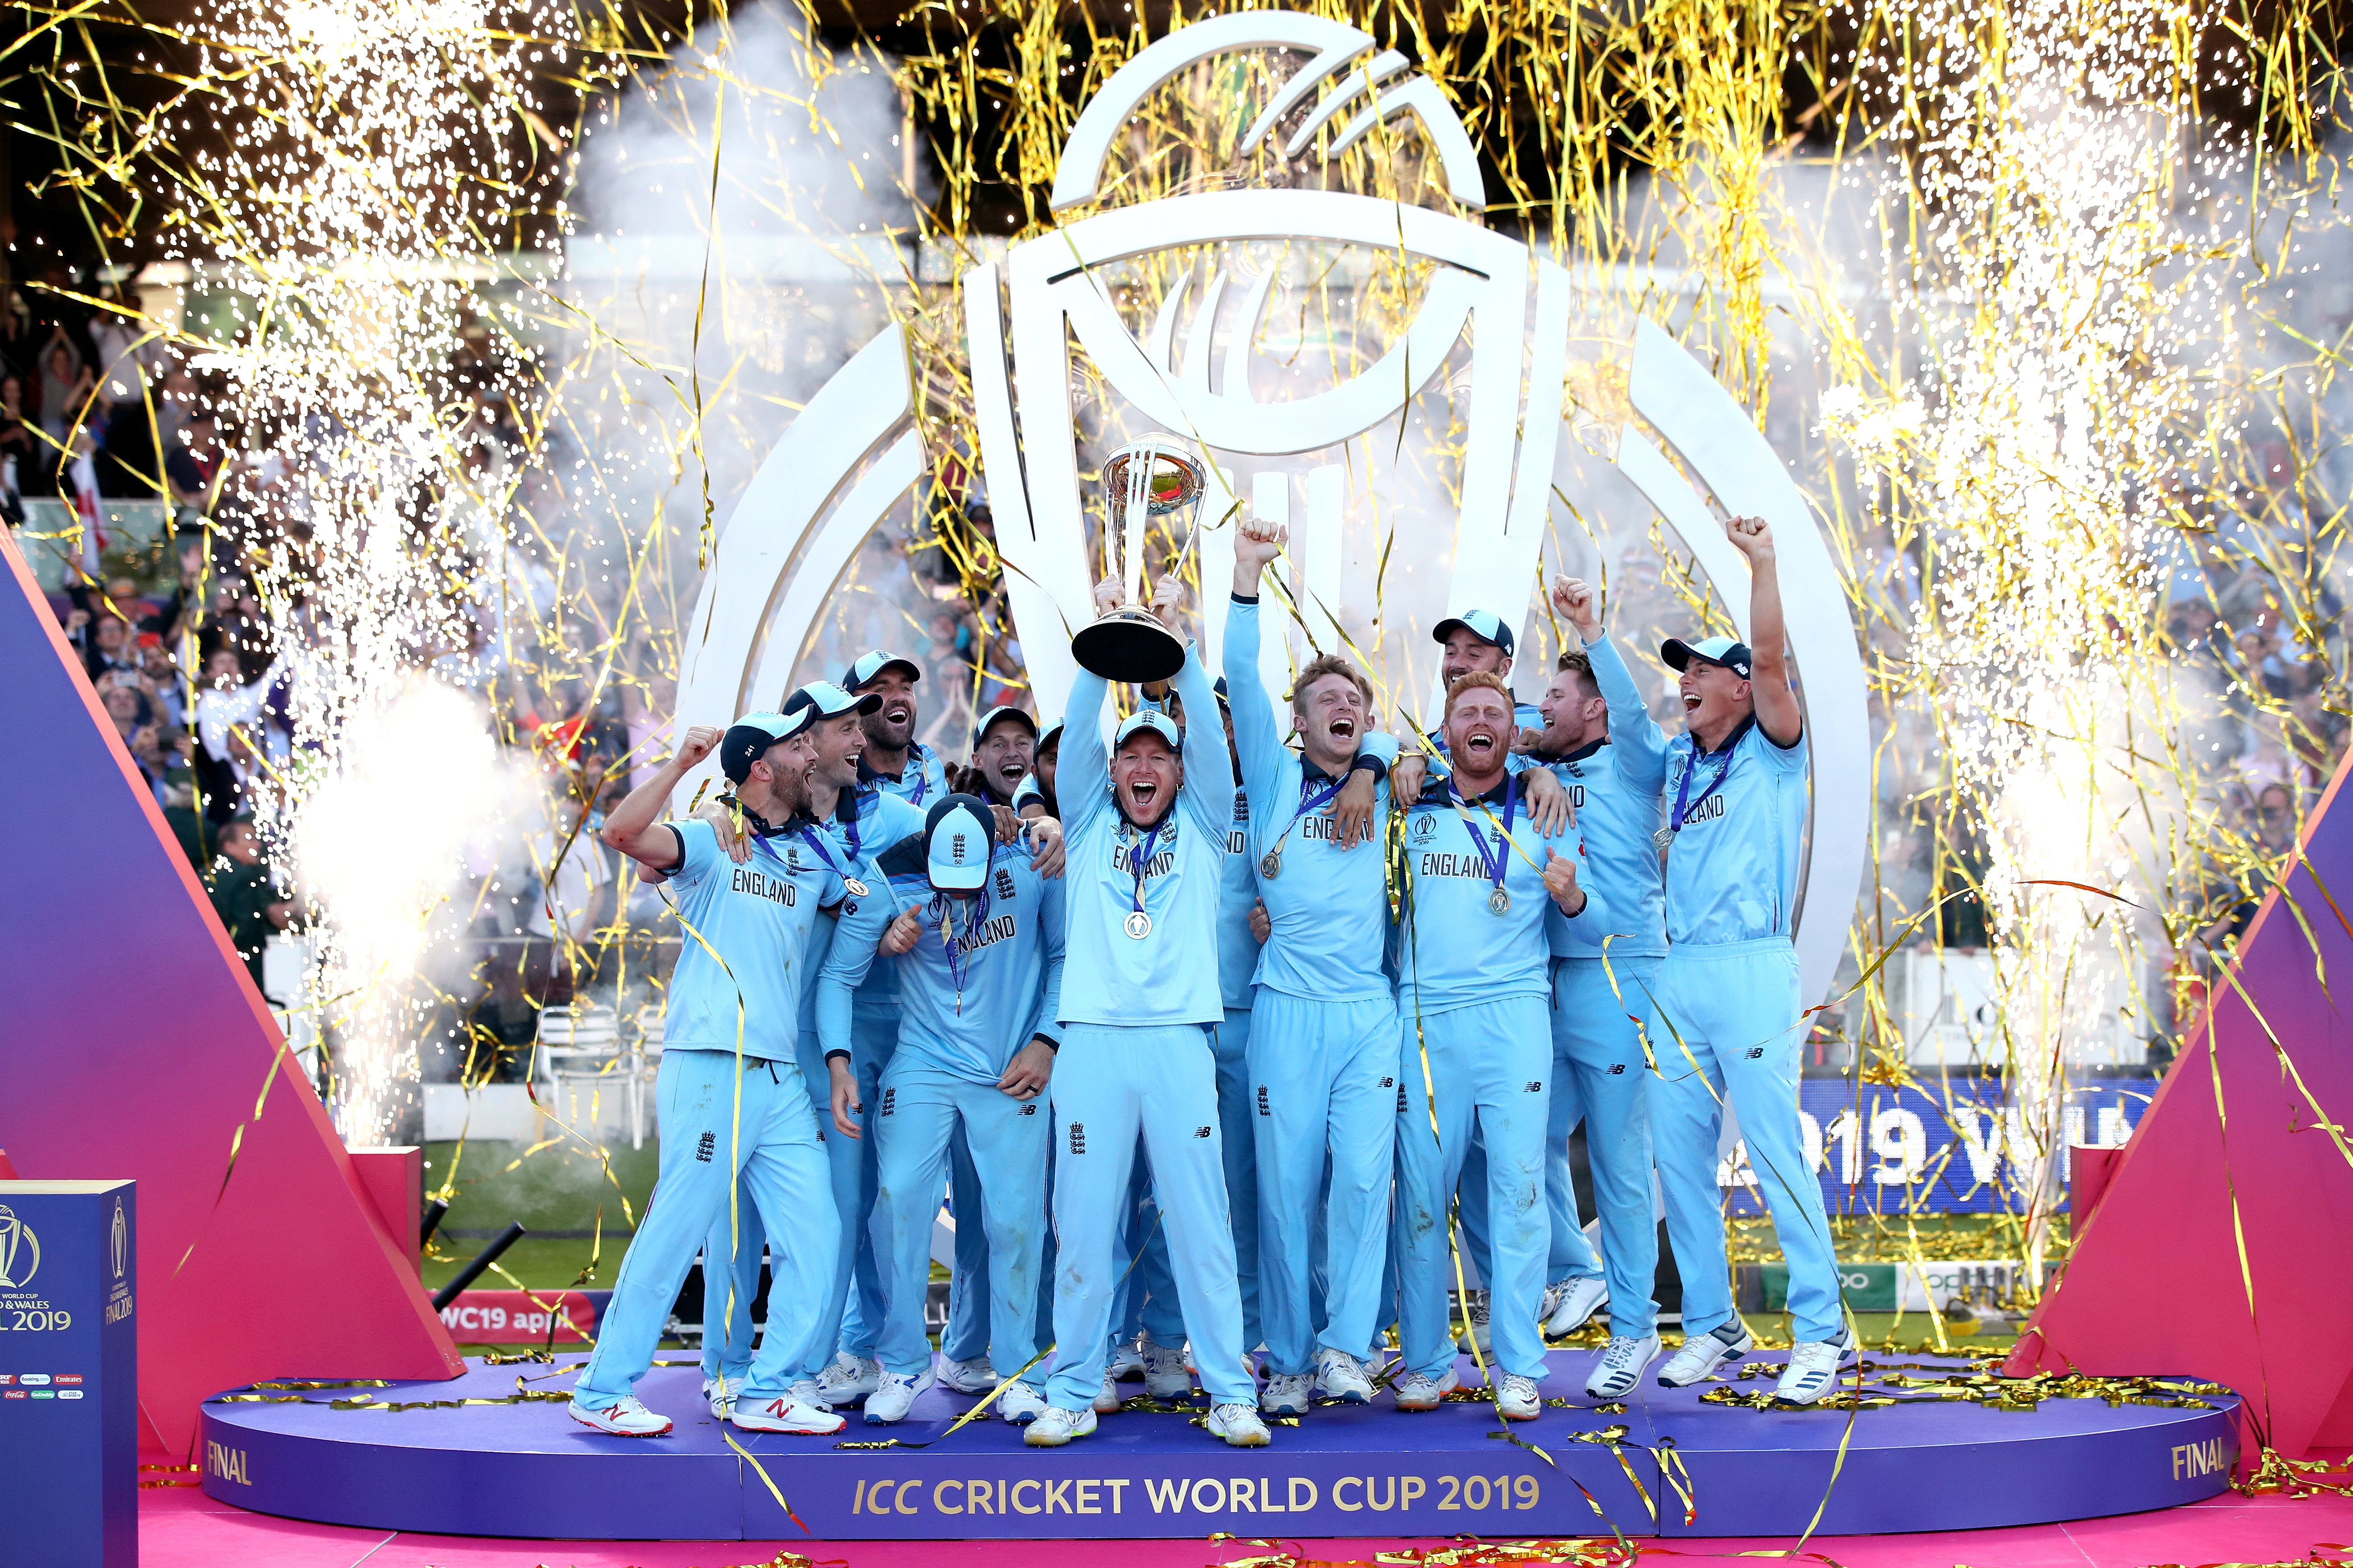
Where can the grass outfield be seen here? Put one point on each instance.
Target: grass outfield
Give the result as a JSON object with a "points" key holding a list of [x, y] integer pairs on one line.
{"points": [[558, 1192]]}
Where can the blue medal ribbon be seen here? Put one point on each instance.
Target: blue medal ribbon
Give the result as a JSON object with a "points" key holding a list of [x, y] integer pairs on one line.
{"points": [[1498, 862], [1681, 813], [976, 916], [1139, 857], [816, 842]]}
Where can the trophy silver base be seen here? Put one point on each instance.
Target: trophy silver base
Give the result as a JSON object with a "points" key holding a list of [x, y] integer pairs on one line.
{"points": [[1131, 646]]}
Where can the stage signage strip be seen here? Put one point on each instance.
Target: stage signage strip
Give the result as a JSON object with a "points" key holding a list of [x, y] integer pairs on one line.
{"points": [[68, 1374], [1959, 1147]]}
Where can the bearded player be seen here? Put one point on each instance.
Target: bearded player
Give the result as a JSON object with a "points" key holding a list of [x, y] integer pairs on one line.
{"points": [[1476, 1047], [1730, 1021], [728, 1098], [1322, 1040], [1147, 823]]}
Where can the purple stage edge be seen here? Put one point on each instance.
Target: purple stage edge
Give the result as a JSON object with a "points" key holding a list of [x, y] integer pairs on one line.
{"points": [[528, 1471]]}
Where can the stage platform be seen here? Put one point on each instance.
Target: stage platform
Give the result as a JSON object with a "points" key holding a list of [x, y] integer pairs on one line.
{"points": [[493, 1453]]}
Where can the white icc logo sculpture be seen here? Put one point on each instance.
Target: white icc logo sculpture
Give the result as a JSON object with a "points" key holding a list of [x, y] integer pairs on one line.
{"points": [[20, 1251], [855, 450]]}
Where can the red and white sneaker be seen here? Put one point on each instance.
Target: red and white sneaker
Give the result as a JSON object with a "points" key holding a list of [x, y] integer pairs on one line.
{"points": [[786, 1415], [629, 1419]]}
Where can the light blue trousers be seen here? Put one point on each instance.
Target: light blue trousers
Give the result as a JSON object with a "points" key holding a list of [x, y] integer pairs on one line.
{"points": [[1489, 1065], [1322, 1099], [1729, 1028], [1008, 1137], [1147, 1297], [1112, 1084], [719, 1125], [1597, 1057], [966, 1338]]}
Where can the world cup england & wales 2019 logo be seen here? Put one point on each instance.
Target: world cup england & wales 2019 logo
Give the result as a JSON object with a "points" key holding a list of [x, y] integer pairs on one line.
{"points": [[1487, 313], [20, 1251]]}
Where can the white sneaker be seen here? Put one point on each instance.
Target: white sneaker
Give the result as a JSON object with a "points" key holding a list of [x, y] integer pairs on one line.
{"points": [[1338, 1376], [849, 1379], [1621, 1367], [1239, 1425], [1286, 1393], [1415, 1390], [1107, 1403], [975, 1376], [786, 1415], [1055, 1426], [804, 1392], [1476, 1310], [1515, 1397], [1020, 1403], [1166, 1375], [1570, 1304], [630, 1418], [892, 1399], [1814, 1368], [720, 1394], [1703, 1353], [1126, 1362]]}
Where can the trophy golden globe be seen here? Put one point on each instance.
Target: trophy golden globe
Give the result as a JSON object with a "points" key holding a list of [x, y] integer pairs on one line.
{"points": [[1155, 477]]}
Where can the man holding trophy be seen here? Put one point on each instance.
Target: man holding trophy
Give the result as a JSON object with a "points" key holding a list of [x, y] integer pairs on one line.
{"points": [[1145, 819]]}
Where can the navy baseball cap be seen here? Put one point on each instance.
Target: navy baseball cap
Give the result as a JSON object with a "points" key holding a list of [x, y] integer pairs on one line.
{"points": [[1224, 700], [749, 738], [958, 835], [1484, 625], [824, 700], [1150, 719], [872, 664], [1732, 656], [994, 714]]}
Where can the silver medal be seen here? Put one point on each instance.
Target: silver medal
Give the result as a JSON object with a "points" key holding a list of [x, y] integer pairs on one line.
{"points": [[1663, 837], [1139, 924], [1499, 903], [857, 889], [1269, 864]]}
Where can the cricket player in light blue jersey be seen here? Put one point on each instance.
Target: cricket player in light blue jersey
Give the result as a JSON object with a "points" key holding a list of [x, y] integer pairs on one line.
{"points": [[895, 762], [847, 826], [1480, 640], [978, 934], [1730, 1022], [1601, 989], [1476, 1047], [728, 1098], [1150, 1289], [1148, 821], [1322, 1053]]}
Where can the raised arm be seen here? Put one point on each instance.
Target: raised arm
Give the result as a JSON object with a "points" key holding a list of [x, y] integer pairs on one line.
{"points": [[1257, 736], [635, 826], [1208, 789], [1639, 745], [1777, 713], [1082, 778]]}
